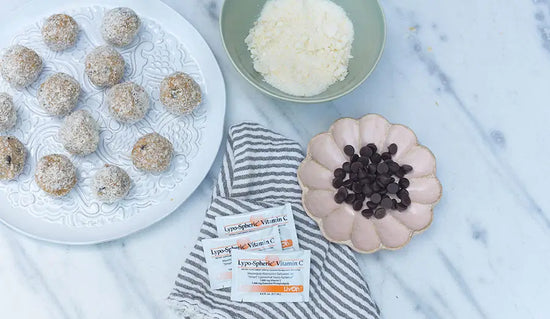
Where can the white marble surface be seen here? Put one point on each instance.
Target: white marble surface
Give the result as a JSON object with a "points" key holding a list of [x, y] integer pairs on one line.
{"points": [[470, 77]]}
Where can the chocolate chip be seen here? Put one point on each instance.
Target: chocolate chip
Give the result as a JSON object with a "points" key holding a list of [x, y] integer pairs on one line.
{"points": [[342, 191], [337, 182], [394, 204], [350, 198], [339, 198], [401, 207], [392, 148], [385, 156], [363, 160], [379, 213], [365, 151], [346, 167], [375, 187], [356, 166], [371, 169], [383, 180], [400, 173], [373, 147], [354, 158], [376, 198], [349, 150], [362, 174], [142, 147], [8, 159], [392, 188], [406, 200], [382, 168], [372, 205], [375, 158], [386, 203], [393, 166], [359, 197], [339, 173], [367, 213], [402, 193], [406, 168], [356, 187], [353, 176], [404, 182], [347, 182], [357, 205], [367, 190]]}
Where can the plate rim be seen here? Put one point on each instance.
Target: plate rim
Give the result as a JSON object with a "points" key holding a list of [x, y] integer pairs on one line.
{"points": [[170, 16]]}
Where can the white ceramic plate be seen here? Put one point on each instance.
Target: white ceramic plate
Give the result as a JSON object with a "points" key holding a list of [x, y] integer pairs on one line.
{"points": [[166, 43]]}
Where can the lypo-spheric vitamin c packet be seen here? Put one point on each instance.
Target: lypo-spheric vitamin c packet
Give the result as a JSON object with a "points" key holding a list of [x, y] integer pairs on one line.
{"points": [[241, 223], [270, 276], [217, 252]]}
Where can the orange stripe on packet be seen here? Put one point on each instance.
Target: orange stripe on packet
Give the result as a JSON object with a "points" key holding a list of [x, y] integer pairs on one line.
{"points": [[274, 288]]}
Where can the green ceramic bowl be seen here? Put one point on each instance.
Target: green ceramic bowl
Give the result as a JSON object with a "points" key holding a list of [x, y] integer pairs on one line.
{"points": [[238, 16]]}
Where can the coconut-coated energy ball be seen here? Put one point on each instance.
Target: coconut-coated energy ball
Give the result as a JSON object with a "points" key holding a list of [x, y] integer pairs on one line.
{"points": [[128, 102], [179, 93], [120, 26], [12, 157], [152, 153], [104, 66], [79, 133], [60, 32], [55, 174], [8, 114], [111, 183], [20, 66], [58, 95]]}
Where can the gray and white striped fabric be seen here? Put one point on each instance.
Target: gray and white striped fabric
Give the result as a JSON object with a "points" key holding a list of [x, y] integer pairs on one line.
{"points": [[259, 170]]}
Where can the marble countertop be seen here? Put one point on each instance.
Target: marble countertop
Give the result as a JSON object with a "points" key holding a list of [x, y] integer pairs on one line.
{"points": [[470, 77]]}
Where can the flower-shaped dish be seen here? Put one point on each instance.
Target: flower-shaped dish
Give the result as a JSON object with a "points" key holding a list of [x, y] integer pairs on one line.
{"points": [[340, 223]]}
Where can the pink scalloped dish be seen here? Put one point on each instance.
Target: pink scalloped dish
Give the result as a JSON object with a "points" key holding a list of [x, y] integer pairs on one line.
{"points": [[369, 184]]}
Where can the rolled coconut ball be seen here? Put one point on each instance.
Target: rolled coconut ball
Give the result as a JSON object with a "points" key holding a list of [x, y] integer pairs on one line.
{"points": [[79, 133], [128, 102], [120, 26], [60, 32], [55, 174], [58, 95], [111, 184], [104, 66], [20, 66], [179, 93], [13, 156], [152, 153], [8, 114]]}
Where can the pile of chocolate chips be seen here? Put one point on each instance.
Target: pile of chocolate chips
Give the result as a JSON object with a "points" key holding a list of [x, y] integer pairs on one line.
{"points": [[374, 178]]}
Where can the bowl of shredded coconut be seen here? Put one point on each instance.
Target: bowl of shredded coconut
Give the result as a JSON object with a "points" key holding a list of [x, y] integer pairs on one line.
{"points": [[307, 51]]}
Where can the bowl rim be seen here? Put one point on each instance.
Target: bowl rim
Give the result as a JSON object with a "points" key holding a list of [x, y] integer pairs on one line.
{"points": [[298, 99]]}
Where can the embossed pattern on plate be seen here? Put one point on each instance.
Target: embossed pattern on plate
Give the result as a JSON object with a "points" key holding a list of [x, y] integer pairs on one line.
{"points": [[155, 54]]}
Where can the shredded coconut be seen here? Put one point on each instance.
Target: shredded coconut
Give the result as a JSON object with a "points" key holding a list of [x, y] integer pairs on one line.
{"points": [[301, 47], [111, 183], [55, 174], [8, 115], [79, 133], [128, 102]]}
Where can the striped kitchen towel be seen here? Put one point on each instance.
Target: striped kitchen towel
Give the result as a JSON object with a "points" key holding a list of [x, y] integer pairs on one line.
{"points": [[259, 171]]}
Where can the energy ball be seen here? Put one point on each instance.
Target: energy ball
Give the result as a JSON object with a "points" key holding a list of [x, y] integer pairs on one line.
{"points": [[12, 157], [20, 66], [111, 183], [179, 93], [128, 102], [152, 153], [120, 26], [8, 115], [55, 174], [104, 66], [79, 134], [60, 32], [58, 95]]}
